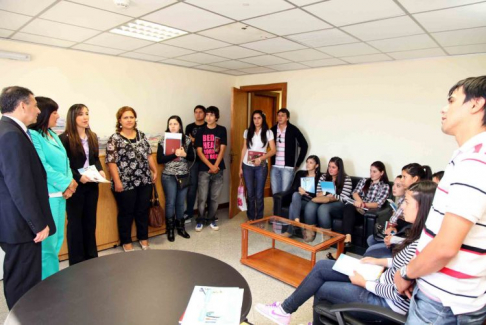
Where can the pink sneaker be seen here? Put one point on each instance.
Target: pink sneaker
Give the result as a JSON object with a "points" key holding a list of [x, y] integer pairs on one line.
{"points": [[274, 312]]}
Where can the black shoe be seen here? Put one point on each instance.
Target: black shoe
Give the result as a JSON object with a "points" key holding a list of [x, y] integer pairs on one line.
{"points": [[170, 229], [330, 257], [181, 229]]}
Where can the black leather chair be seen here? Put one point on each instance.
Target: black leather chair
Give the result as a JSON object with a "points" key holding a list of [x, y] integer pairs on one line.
{"points": [[362, 229]]}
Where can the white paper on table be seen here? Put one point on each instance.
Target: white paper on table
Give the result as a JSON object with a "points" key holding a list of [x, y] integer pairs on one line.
{"points": [[93, 174], [214, 305], [347, 265]]}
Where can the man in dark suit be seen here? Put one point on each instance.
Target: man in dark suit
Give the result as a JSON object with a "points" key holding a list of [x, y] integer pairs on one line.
{"points": [[25, 216]]}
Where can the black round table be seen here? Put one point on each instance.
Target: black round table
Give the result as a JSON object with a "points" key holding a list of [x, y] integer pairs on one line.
{"points": [[143, 287]]}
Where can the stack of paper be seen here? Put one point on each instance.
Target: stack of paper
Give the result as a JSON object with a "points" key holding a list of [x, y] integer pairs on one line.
{"points": [[348, 265]]}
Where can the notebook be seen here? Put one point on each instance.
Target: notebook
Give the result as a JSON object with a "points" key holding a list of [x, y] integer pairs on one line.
{"points": [[328, 187]]}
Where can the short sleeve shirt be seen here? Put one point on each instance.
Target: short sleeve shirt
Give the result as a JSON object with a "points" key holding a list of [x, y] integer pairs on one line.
{"points": [[210, 140], [256, 144]]}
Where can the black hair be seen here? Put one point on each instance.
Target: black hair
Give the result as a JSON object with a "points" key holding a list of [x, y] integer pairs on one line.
{"points": [[399, 176], [473, 87], [213, 110], [46, 106], [384, 178], [11, 98], [200, 107], [284, 110], [423, 193], [318, 169], [439, 175], [414, 169], [252, 129], [341, 176], [178, 119]]}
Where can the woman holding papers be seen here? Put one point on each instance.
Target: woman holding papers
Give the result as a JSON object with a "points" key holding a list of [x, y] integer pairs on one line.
{"points": [[60, 182], [133, 173], [175, 151], [324, 282], [81, 145], [253, 165]]}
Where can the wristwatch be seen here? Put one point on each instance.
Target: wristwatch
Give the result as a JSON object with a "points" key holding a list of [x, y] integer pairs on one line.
{"points": [[403, 273]]}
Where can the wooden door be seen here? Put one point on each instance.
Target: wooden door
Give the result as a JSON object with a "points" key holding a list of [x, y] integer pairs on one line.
{"points": [[239, 122]]}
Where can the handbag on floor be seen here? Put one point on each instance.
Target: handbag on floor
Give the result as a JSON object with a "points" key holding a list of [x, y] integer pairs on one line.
{"points": [[156, 213]]}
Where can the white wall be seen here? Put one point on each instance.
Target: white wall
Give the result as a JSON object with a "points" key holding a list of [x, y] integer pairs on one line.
{"points": [[106, 83], [383, 111]]}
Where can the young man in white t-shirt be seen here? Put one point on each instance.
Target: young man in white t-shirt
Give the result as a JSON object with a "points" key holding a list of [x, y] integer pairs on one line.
{"points": [[449, 271]]}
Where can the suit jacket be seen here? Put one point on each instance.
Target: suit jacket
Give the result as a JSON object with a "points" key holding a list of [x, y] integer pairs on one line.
{"points": [[24, 200], [54, 159], [77, 159]]}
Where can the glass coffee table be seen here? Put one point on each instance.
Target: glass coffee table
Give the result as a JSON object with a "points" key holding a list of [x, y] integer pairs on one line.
{"points": [[282, 265]]}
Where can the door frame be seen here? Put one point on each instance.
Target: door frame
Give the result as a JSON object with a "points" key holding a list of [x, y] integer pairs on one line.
{"points": [[269, 87]]}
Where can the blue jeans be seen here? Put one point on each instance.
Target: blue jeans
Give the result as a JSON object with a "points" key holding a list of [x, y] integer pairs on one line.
{"points": [[424, 310], [192, 191], [377, 249], [296, 206], [321, 214], [255, 178], [214, 184], [281, 178], [174, 197], [326, 284]]}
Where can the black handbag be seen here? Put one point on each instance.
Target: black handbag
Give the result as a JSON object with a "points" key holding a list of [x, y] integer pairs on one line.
{"points": [[183, 181]]}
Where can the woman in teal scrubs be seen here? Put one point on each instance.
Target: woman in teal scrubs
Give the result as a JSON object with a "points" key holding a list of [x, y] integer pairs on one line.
{"points": [[60, 182]]}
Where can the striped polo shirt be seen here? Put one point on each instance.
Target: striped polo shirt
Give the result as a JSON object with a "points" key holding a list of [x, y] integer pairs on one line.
{"points": [[280, 155], [461, 284]]}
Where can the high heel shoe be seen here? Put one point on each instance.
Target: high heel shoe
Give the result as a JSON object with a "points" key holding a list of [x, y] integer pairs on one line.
{"points": [[347, 245]]}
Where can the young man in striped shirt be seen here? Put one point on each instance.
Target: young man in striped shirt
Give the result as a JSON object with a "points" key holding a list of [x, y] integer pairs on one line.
{"points": [[450, 267]]}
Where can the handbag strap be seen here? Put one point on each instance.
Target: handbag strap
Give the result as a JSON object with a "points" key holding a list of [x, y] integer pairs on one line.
{"points": [[154, 192]]}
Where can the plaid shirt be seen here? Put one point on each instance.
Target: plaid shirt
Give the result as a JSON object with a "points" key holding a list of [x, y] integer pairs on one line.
{"points": [[377, 193]]}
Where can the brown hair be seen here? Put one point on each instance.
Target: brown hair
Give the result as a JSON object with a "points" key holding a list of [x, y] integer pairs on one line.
{"points": [[120, 113], [74, 139]]}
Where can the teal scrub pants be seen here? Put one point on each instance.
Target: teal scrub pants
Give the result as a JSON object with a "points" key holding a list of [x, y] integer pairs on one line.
{"points": [[52, 244]]}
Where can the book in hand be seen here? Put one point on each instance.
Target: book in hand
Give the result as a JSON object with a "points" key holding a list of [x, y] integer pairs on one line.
{"points": [[172, 142], [347, 265], [253, 155], [328, 188], [352, 201], [213, 305], [93, 174], [308, 184], [393, 205]]}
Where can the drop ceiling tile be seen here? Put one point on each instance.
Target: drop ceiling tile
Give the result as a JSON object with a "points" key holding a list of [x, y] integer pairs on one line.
{"points": [[407, 43], [349, 49], [186, 17], [346, 12], [118, 42], [414, 6], [97, 49], [210, 68], [202, 58], [417, 54], [42, 40], [58, 30], [324, 63], [461, 37], [265, 60], [257, 70], [233, 65], [301, 3], [5, 32], [466, 49], [234, 72], [303, 55], [367, 58], [180, 63], [453, 18], [79, 15], [288, 66], [9, 20], [288, 22], [143, 56], [242, 9], [234, 52], [26, 7], [274, 45], [237, 33], [324, 38], [136, 9], [196, 42], [164, 50], [386, 28]]}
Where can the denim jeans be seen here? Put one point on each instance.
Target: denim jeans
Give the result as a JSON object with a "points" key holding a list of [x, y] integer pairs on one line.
{"points": [[321, 214], [424, 310], [377, 249], [326, 284], [174, 197], [214, 184], [297, 206], [192, 190], [281, 178], [255, 178]]}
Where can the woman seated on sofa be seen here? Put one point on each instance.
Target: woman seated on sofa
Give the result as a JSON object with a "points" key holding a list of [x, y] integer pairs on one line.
{"points": [[326, 284]]}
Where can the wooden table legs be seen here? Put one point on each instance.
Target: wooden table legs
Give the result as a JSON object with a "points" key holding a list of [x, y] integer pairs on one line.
{"points": [[244, 243]]}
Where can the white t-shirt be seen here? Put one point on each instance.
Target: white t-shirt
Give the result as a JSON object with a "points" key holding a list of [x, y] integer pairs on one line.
{"points": [[256, 144]]}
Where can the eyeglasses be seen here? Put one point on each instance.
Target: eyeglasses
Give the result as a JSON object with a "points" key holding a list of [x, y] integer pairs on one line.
{"points": [[279, 138]]}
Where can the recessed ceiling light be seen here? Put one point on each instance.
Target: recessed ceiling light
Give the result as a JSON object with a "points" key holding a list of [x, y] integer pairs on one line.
{"points": [[148, 31]]}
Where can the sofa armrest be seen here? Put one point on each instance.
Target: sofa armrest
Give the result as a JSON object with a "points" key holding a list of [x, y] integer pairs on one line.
{"points": [[371, 216], [280, 200]]}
